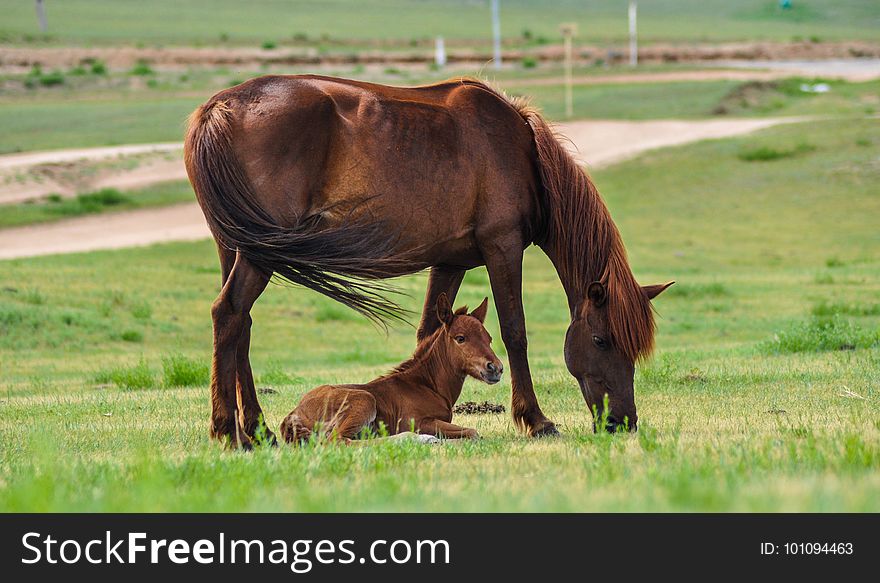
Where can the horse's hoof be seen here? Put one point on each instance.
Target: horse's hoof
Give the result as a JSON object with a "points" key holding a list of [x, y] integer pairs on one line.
{"points": [[544, 429], [429, 439]]}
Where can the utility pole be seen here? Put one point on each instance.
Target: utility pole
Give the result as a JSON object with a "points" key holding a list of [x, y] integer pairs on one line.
{"points": [[568, 31], [633, 34], [496, 34], [41, 16]]}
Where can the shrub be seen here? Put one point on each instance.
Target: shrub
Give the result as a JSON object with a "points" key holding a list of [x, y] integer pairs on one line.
{"points": [[269, 45], [766, 153], [820, 334], [181, 371], [132, 336], [99, 68], [142, 68], [529, 62], [53, 78], [138, 376]]}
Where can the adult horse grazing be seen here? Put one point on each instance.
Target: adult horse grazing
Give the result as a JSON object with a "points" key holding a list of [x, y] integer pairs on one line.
{"points": [[416, 396], [335, 184]]}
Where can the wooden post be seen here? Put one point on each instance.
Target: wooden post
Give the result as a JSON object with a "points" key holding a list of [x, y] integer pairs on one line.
{"points": [[568, 31], [496, 34], [633, 34]]}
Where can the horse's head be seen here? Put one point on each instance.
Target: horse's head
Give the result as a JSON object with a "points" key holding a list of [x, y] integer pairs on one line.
{"points": [[600, 362], [468, 342]]}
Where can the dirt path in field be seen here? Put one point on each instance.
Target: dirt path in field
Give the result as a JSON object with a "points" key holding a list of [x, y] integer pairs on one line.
{"points": [[21, 59], [596, 143]]}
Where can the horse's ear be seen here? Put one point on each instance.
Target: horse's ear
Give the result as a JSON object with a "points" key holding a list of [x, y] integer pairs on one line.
{"points": [[652, 291], [480, 312], [444, 309], [597, 293]]}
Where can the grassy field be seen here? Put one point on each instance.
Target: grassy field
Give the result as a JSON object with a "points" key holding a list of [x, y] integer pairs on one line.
{"points": [[763, 395], [55, 207], [216, 21], [67, 117]]}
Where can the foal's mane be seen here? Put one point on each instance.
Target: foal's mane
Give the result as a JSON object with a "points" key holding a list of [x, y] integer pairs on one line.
{"points": [[582, 238], [422, 350]]}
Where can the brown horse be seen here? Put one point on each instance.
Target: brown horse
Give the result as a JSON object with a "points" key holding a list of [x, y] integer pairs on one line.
{"points": [[335, 184], [418, 395]]}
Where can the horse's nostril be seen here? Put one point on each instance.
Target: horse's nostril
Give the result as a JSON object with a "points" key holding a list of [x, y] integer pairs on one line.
{"points": [[490, 366]]}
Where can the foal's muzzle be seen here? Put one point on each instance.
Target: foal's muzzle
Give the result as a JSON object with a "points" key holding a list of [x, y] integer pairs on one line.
{"points": [[492, 373]]}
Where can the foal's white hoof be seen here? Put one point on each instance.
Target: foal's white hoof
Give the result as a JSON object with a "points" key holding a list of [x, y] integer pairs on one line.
{"points": [[423, 438]]}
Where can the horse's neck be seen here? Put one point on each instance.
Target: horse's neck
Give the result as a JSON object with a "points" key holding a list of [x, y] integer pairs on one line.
{"points": [[575, 294], [436, 373]]}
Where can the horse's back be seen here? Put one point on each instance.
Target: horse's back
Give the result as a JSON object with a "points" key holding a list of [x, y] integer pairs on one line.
{"points": [[330, 148]]}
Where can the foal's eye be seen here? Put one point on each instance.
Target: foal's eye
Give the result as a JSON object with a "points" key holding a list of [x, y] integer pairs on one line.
{"points": [[459, 339], [600, 342]]}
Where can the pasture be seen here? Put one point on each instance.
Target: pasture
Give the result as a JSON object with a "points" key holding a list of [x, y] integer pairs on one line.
{"points": [[762, 396], [326, 22]]}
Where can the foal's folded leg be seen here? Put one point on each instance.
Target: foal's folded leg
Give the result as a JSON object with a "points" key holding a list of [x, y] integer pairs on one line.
{"points": [[447, 430]]}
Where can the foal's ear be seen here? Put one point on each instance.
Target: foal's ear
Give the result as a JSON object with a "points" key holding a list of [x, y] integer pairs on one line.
{"points": [[597, 293], [652, 291], [444, 309], [480, 312]]}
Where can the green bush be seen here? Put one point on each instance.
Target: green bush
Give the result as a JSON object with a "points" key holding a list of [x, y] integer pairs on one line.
{"points": [[142, 68], [269, 45], [821, 334], [99, 68], [53, 78], [138, 376], [766, 153], [181, 371], [529, 62]]}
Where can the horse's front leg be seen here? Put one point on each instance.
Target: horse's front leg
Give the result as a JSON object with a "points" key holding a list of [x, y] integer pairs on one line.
{"points": [[504, 264], [230, 312], [442, 280]]}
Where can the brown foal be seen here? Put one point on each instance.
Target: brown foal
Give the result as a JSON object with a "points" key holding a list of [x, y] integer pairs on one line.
{"points": [[416, 396]]}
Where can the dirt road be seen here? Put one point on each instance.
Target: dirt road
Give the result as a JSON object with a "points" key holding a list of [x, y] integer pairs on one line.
{"points": [[596, 143]]}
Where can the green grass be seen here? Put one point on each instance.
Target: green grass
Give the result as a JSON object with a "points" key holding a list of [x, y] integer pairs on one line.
{"points": [[728, 420], [68, 122], [72, 117], [603, 21], [54, 207]]}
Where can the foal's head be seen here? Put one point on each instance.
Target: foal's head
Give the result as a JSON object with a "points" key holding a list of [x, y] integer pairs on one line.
{"points": [[467, 341]]}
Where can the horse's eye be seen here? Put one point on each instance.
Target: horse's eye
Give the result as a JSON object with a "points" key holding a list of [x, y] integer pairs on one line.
{"points": [[459, 339], [600, 342]]}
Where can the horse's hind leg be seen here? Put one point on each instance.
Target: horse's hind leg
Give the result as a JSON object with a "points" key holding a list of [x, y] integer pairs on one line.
{"points": [[442, 280], [231, 312], [356, 413], [250, 412]]}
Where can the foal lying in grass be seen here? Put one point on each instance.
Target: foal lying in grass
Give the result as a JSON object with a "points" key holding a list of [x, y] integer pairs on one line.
{"points": [[417, 396]]}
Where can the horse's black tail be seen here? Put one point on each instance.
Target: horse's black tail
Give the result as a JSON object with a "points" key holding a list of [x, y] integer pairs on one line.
{"points": [[343, 262]]}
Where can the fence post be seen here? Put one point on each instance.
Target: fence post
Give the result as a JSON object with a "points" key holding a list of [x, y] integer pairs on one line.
{"points": [[633, 34], [496, 34], [568, 31]]}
